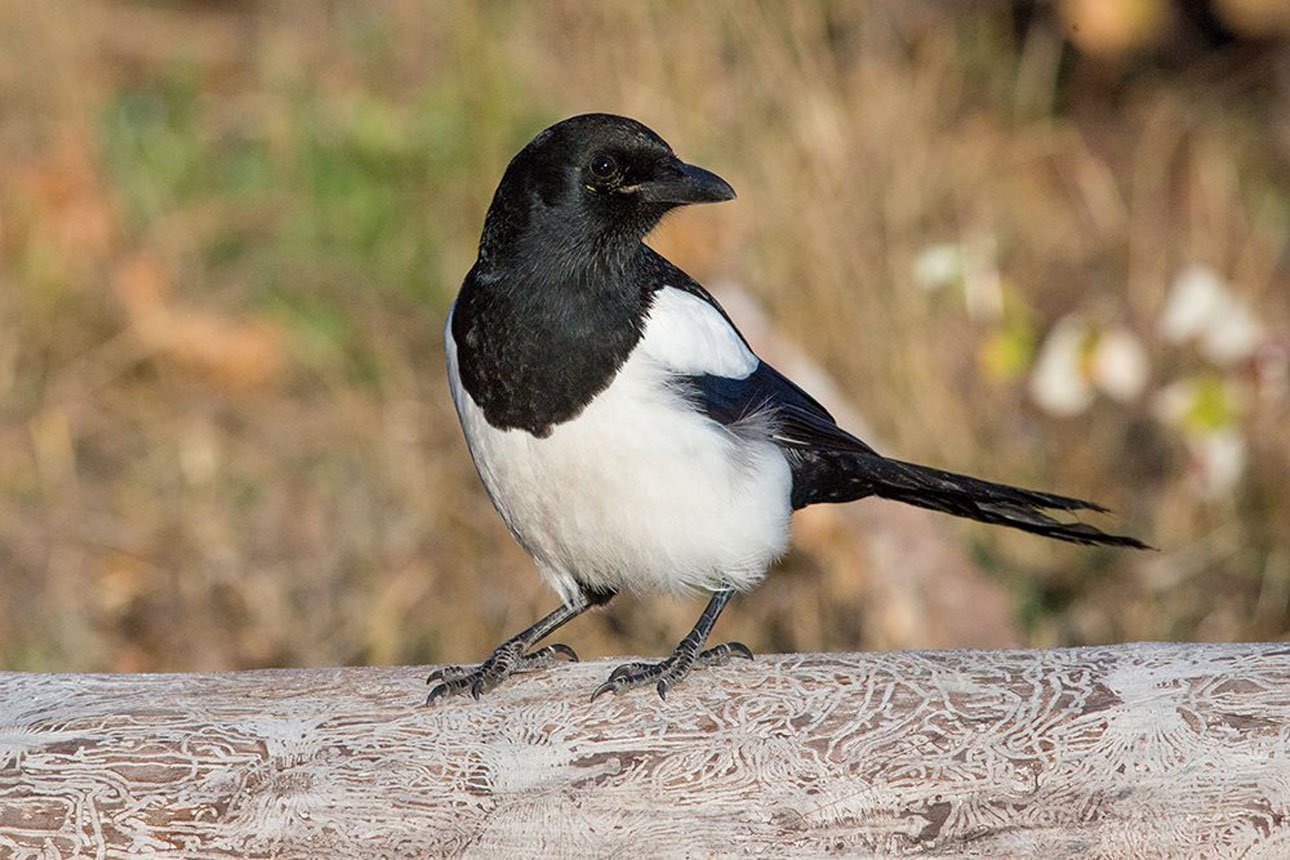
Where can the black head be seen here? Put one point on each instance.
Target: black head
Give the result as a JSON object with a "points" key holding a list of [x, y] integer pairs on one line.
{"points": [[591, 184]]}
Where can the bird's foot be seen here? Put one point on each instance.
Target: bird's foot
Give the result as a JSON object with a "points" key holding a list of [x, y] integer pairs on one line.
{"points": [[666, 674], [508, 659]]}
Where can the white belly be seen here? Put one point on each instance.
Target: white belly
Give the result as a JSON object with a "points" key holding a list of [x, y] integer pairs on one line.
{"points": [[638, 492]]}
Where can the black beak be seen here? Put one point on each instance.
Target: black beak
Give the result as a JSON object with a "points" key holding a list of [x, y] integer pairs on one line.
{"points": [[677, 182]]}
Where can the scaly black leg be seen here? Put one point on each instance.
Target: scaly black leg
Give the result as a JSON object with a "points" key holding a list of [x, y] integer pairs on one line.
{"points": [[666, 673], [513, 655]]}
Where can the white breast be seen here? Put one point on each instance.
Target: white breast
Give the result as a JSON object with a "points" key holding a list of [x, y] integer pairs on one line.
{"points": [[639, 491]]}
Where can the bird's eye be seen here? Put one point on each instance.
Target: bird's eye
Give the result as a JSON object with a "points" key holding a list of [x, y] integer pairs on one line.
{"points": [[603, 166]]}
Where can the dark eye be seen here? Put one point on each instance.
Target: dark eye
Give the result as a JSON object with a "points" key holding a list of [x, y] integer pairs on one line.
{"points": [[603, 166]]}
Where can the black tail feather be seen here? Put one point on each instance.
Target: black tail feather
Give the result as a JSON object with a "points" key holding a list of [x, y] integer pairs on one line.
{"points": [[964, 496]]}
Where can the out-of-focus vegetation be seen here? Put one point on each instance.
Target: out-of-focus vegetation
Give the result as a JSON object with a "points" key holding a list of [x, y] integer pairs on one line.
{"points": [[1042, 243]]}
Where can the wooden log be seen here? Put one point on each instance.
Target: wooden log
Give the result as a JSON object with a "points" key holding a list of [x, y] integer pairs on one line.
{"points": [[1128, 751]]}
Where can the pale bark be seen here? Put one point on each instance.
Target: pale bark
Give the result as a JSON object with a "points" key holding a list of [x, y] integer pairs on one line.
{"points": [[1129, 751]]}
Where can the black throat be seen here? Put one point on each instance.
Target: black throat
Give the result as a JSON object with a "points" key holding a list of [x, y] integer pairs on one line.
{"points": [[535, 345]]}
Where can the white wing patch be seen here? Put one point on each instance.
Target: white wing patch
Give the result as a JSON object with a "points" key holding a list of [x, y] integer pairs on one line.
{"points": [[686, 335]]}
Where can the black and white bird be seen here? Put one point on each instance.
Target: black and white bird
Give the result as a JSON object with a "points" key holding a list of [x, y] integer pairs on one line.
{"points": [[621, 424]]}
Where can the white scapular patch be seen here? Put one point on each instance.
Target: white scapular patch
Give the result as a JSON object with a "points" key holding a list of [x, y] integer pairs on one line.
{"points": [[640, 491], [687, 335]]}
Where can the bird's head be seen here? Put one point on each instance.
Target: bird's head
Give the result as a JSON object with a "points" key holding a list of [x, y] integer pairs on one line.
{"points": [[591, 184]]}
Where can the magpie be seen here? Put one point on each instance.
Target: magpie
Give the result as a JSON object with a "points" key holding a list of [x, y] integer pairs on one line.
{"points": [[623, 427]]}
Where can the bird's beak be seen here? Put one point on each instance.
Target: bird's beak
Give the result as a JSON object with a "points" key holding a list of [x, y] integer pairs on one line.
{"points": [[677, 182]]}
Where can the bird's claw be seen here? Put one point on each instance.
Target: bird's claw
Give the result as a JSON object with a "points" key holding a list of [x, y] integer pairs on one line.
{"points": [[666, 674], [504, 662], [624, 677], [547, 655], [630, 675], [444, 673]]}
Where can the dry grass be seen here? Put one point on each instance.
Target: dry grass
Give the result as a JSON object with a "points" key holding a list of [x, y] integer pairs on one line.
{"points": [[229, 233]]}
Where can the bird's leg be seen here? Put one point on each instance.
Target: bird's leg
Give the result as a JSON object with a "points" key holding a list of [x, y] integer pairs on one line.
{"points": [[514, 655], [689, 654]]}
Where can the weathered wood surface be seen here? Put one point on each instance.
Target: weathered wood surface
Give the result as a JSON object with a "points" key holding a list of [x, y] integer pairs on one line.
{"points": [[1130, 751]]}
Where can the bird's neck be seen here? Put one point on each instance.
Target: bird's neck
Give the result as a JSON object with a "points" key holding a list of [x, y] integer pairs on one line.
{"points": [[554, 267]]}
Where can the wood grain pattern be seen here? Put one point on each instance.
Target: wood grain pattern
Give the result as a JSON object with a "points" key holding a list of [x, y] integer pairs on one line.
{"points": [[1129, 751]]}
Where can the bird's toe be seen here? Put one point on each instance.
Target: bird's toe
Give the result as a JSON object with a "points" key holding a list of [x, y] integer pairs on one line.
{"points": [[719, 655]]}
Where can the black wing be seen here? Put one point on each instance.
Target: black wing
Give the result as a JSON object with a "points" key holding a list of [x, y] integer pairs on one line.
{"points": [[802, 427], [804, 430], [797, 419], [828, 464]]}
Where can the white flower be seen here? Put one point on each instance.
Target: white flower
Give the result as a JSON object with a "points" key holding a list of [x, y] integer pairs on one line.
{"points": [[1076, 360], [1058, 383], [938, 266], [1120, 365], [1201, 306], [1233, 336], [1197, 297], [1208, 411], [1220, 461], [1202, 404]]}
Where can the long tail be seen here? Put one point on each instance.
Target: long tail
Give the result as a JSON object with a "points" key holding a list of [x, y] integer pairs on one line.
{"points": [[963, 496]]}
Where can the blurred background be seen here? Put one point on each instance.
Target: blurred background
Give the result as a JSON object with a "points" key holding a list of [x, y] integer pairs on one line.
{"points": [[1045, 243]]}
